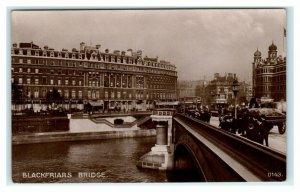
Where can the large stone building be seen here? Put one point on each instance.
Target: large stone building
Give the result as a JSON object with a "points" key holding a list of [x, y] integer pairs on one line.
{"points": [[120, 79], [269, 75]]}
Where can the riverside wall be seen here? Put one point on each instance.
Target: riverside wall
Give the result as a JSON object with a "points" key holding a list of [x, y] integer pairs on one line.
{"points": [[79, 136]]}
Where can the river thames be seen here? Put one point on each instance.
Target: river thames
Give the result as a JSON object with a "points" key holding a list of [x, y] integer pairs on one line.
{"points": [[112, 160]]}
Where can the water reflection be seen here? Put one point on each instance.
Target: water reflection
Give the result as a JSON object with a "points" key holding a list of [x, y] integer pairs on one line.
{"points": [[108, 160]]}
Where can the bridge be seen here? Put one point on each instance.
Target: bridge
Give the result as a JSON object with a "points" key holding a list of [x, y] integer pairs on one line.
{"points": [[193, 148]]}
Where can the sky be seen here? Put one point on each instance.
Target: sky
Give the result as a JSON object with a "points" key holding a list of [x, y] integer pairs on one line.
{"points": [[200, 42]]}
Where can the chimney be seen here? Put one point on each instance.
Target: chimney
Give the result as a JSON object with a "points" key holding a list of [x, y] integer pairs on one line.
{"points": [[82, 46], [130, 52], [117, 52], [216, 75]]}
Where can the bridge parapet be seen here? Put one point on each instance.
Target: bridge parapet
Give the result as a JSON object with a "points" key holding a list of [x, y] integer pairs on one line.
{"points": [[221, 156]]}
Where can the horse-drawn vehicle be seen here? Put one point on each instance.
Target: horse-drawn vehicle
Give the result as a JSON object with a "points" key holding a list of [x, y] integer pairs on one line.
{"points": [[255, 123]]}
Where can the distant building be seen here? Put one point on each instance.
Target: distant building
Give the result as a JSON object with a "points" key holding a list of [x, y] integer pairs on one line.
{"points": [[245, 92], [269, 75], [112, 80], [191, 88], [219, 90]]}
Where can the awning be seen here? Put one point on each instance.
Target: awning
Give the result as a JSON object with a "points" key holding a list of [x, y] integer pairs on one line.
{"points": [[221, 100], [96, 103], [171, 103]]}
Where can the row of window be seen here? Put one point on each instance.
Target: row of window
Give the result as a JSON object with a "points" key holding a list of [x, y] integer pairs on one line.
{"points": [[271, 79], [271, 70], [95, 94], [36, 81], [63, 63], [95, 57], [266, 88], [91, 83]]}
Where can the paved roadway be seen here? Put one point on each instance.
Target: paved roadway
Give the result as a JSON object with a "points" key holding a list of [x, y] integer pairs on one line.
{"points": [[276, 140]]}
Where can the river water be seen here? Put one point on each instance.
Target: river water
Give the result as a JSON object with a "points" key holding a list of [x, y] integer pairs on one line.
{"points": [[112, 160]]}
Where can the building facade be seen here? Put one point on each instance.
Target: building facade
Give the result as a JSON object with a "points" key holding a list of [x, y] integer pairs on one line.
{"points": [[220, 89], [269, 75], [191, 88], [123, 80]]}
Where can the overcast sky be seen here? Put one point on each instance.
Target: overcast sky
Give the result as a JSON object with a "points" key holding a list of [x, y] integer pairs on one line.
{"points": [[199, 42]]}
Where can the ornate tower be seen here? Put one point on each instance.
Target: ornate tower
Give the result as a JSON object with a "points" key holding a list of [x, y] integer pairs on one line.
{"points": [[256, 61], [272, 53]]}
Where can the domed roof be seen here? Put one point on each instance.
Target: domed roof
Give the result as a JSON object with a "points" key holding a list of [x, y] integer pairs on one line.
{"points": [[257, 53], [272, 47]]}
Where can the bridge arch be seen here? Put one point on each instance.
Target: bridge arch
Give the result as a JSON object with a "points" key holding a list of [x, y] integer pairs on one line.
{"points": [[194, 158], [190, 161]]}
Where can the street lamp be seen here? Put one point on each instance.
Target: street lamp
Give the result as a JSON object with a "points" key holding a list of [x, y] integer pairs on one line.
{"points": [[235, 89]]}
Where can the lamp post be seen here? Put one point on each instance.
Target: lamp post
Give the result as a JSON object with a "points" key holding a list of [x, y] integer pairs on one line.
{"points": [[235, 89]]}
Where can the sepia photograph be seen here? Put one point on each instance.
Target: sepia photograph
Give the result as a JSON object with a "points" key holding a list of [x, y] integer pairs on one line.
{"points": [[148, 95]]}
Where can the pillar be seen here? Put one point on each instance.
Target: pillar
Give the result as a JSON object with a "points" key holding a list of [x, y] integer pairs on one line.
{"points": [[162, 133]]}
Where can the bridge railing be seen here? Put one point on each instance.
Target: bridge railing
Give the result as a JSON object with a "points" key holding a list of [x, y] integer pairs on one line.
{"points": [[245, 157]]}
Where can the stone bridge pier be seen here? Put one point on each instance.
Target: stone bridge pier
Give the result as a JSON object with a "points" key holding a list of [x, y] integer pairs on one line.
{"points": [[161, 154]]}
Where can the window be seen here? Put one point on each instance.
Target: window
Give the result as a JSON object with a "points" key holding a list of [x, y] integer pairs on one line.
{"points": [[73, 94], [36, 93], [112, 95], [89, 94], [44, 93], [59, 82], [20, 81], [51, 82], [106, 94], [36, 81], [28, 70], [28, 81], [66, 93], [80, 83], [66, 82], [29, 61], [80, 94], [20, 60], [36, 70], [73, 82], [20, 70], [118, 94]]}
